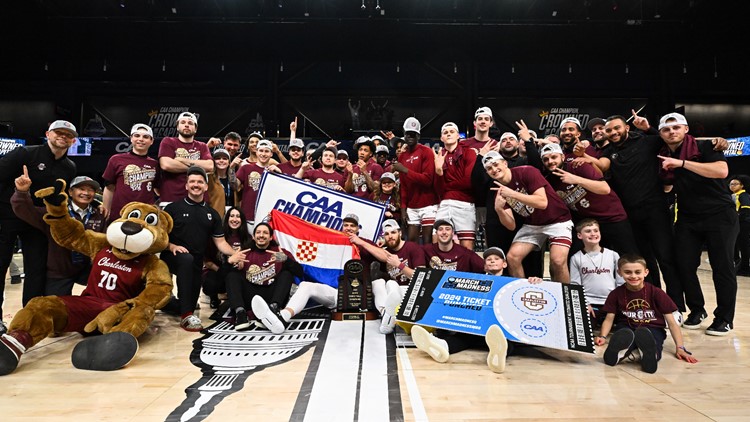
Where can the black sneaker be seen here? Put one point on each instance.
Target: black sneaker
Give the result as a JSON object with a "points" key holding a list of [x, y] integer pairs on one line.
{"points": [[241, 322], [15, 279], [719, 328], [645, 342], [693, 321], [618, 346]]}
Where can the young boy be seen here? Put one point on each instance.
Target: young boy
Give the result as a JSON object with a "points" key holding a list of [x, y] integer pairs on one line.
{"points": [[639, 313], [595, 268]]}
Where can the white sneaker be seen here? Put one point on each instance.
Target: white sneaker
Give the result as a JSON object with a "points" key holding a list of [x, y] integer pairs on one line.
{"points": [[388, 320], [268, 317], [498, 349], [437, 348]]}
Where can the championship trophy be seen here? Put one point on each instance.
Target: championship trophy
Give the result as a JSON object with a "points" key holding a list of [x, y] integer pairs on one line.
{"points": [[355, 301]]}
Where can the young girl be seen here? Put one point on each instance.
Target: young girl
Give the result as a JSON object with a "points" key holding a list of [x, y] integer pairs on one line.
{"points": [[386, 192]]}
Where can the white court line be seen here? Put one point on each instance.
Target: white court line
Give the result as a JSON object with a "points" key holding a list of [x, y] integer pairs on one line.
{"points": [[415, 399], [373, 388], [335, 386]]}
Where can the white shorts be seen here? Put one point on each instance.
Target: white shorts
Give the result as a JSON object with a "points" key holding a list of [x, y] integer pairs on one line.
{"points": [[559, 234], [462, 215], [424, 216]]}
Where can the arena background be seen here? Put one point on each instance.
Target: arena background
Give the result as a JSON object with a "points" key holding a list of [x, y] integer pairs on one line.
{"points": [[351, 67]]}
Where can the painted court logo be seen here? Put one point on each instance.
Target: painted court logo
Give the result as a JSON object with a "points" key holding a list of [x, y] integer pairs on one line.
{"points": [[533, 300]]}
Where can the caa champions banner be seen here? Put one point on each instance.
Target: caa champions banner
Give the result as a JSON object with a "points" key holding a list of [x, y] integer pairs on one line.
{"points": [[548, 314], [316, 204]]}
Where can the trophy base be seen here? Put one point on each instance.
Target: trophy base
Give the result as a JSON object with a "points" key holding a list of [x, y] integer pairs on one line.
{"points": [[354, 315]]}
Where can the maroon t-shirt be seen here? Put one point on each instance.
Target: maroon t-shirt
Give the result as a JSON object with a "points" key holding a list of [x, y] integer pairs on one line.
{"points": [[412, 255], [249, 175], [260, 268], [527, 180], [360, 183], [134, 177], [328, 180], [474, 144], [173, 184], [457, 259], [115, 280], [288, 168], [606, 208], [644, 308]]}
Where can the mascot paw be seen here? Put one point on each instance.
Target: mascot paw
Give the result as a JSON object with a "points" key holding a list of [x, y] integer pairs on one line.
{"points": [[54, 195], [107, 352]]}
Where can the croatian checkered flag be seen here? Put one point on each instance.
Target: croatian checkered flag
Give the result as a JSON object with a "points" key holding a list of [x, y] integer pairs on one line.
{"points": [[322, 252]]}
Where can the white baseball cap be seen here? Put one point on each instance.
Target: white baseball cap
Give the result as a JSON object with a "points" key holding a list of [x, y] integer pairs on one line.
{"points": [[507, 134], [388, 175], [63, 125], [188, 115], [491, 157], [378, 137], [412, 125], [381, 148], [296, 142], [140, 126], [483, 110], [265, 143], [390, 224], [551, 148], [448, 125], [678, 118], [569, 120]]}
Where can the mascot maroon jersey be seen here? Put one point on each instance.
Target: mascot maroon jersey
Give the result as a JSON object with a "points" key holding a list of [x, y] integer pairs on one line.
{"points": [[115, 280]]}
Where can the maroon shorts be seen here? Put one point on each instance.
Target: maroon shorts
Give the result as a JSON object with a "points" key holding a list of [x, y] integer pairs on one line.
{"points": [[83, 309]]}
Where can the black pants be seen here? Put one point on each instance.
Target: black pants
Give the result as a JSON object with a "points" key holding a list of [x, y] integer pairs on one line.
{"points": [[240, 292], [214, 282], [188, 270], [718, 232], [34, 254], [742, 248], [652, 228]]}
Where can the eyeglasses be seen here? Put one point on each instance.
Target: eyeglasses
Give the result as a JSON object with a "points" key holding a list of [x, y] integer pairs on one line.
{"points": [[734, 183]]}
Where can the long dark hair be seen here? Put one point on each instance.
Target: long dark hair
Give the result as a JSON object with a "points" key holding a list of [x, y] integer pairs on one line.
{"points": [[245, 239], [395, 195]]}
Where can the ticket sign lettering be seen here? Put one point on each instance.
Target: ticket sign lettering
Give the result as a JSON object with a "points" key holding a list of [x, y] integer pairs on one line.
{"points": [[547, 314]]}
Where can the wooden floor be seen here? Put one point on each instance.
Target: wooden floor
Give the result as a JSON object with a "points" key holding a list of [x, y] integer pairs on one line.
{"points": [[544, 385]]}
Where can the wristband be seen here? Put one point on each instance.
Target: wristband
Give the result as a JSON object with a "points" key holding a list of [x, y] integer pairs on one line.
{"points": [[401, 266], [604, 337], [683, 163], [685, 350]]}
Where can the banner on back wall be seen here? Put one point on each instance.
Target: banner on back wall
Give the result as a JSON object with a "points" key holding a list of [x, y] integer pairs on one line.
{"points": [[738, 147], [9, 144], [316, 204], [547, 314]]}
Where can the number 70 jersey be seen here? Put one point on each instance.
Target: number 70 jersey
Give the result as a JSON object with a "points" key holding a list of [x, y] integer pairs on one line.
{"points": [[114, 279]]}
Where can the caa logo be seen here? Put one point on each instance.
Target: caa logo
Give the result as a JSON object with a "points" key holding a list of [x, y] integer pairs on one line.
{"points": [[533, 328]]}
